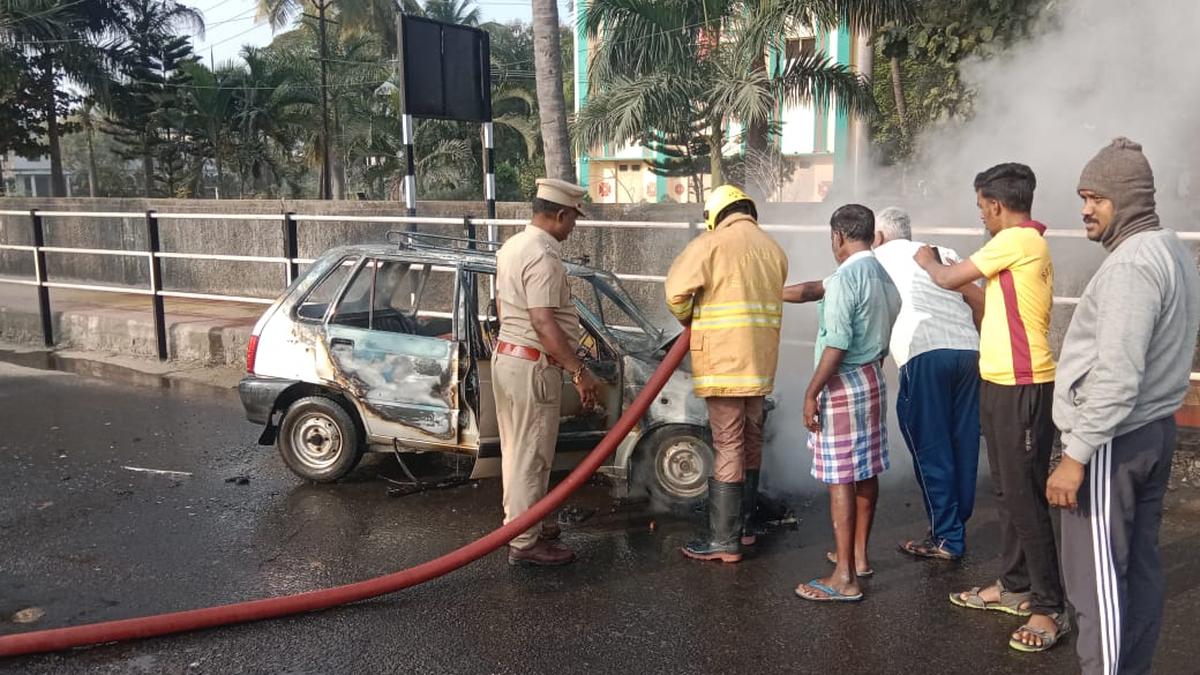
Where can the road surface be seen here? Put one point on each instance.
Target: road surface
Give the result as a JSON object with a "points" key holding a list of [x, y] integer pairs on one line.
{"points": [[86, 539]]}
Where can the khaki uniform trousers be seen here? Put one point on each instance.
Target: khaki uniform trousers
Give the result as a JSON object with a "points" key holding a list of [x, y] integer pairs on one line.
{"points": [[737, 427], [528, 403]]}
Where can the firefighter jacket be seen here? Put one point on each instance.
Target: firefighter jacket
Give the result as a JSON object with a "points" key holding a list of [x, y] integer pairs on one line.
{"points": [[729, 284]]}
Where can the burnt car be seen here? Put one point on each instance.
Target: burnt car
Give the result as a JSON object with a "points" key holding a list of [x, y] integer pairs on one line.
{"points": [[388, 347]]}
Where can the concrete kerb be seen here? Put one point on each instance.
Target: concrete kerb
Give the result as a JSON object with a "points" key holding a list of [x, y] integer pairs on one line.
{"points": [[202, 341]]}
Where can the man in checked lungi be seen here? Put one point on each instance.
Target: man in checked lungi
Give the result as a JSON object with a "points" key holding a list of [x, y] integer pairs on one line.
{"points": [[846, 402]]}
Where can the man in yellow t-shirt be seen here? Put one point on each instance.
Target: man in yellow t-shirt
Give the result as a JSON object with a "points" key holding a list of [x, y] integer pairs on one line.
{"points": [[1015, 399]]}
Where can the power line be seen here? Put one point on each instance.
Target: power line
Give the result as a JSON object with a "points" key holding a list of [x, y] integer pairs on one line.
{"points": [[48, 11], [222, 2], [91, 41], [231, 37]]}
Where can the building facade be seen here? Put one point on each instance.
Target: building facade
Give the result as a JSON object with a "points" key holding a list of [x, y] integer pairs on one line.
{"points": [[23, 177]]}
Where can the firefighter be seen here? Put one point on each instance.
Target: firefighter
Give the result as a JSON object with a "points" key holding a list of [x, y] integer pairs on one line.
{"points": [[539, 336], [728, 285]]}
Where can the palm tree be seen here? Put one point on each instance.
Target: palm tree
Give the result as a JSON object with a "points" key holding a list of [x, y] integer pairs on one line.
{"points": [[275, 109], [353, 17], [547, 54], [209, 116], [682, 66], [519, 106], [452, 11]]}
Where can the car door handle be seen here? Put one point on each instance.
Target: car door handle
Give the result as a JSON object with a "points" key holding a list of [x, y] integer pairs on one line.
{"points": [[341, 342]]}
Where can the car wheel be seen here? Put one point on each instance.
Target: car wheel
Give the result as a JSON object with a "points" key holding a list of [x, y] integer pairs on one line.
{"points": [[318, 440], [675, 465]]}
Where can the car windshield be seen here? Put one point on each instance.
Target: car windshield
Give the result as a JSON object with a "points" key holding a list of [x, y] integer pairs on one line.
{"points": [[601, 295]]}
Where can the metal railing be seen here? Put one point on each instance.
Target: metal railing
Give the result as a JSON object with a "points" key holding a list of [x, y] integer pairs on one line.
{"points": [[291, 261]]}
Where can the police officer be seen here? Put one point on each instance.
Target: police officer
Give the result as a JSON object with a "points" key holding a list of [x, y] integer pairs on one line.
{"points": [[539, 336]]}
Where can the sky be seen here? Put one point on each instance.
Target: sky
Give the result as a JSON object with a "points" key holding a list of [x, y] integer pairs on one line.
{"points": [[231, 24]]}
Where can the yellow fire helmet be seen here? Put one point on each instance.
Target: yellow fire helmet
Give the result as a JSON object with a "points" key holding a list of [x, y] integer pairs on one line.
{"points": [[719, 199]]}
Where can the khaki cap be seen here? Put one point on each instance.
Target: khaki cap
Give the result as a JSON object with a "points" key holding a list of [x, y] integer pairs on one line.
{"points": [[561, 192]]}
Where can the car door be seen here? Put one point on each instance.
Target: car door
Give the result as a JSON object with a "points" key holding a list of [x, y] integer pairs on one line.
{"points": [[394, 348]]}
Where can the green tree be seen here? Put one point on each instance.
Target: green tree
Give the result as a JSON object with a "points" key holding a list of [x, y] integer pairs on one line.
{"points": [[452, 11], [58, 39], [209, 105], [146, 104], [276, 108], [22, 115], [112, 175], [680, 66], [918, 82]]}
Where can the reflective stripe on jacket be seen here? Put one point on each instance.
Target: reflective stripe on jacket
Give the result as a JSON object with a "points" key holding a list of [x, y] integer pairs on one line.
{"points": [[729, 284]]}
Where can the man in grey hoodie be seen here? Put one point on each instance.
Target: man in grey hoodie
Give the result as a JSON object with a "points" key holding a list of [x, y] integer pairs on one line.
{"points": [[1122, 375]]}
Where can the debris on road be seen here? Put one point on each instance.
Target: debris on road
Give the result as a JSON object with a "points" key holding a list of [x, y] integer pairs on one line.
{"points": [[157, 472], [405, 488], [574, 515], [28, 615], [238, 480]]}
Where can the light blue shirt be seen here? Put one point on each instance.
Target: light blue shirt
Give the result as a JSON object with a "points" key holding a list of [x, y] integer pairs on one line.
{"points": [[857, 313]]}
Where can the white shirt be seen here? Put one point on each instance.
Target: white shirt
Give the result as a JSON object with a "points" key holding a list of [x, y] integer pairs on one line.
{"points": [[930, 317]]}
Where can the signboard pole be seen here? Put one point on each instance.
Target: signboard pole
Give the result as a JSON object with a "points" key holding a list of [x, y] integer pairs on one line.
{"points": [[410, 174], [489, 139], [406, 125], [489, 164]]}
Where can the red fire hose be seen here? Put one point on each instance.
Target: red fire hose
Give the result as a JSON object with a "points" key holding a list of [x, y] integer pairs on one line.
{"points": [[270, 608]]}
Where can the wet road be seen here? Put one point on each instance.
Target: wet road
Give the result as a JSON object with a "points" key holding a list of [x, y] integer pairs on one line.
{"points": [[85, 539]]}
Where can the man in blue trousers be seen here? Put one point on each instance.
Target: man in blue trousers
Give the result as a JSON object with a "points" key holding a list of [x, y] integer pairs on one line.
{"points": [[935, 343]]}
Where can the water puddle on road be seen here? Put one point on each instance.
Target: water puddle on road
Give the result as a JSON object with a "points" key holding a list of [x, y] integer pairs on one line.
{"points": [[109, 372]]}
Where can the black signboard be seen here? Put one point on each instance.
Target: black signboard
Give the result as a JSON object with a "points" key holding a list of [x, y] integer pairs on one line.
{"points": [[447, 70]]}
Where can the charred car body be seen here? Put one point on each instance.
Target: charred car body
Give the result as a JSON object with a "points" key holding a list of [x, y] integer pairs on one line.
{"points": [[388, 347]]}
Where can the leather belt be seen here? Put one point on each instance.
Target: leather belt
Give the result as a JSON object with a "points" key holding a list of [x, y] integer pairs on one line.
{"points": [[523, 352]]}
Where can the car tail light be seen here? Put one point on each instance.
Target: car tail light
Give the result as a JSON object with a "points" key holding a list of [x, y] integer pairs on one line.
{"points": [[251, 353]]}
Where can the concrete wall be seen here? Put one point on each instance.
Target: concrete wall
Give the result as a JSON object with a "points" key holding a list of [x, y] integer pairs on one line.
{"points": [[624, 250]]}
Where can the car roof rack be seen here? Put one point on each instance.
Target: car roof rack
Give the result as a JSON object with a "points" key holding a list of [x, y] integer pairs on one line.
{"points": [[440, 242]]}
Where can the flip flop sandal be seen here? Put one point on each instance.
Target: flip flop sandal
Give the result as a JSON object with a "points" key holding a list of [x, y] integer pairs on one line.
{"points": [[832, 558], [927, 549], [1010, 603], [1061, 623], [831, 594]]}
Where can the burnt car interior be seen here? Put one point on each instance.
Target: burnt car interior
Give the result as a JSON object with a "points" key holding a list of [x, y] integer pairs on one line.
{"points": [[482, 335], [387, 295]]}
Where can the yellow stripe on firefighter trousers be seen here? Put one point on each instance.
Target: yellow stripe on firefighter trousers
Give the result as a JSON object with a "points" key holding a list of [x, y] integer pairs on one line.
{"points": [[733, 381]]}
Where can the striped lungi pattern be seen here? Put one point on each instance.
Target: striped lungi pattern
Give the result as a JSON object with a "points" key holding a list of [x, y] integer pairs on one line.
{"points": [[852, 443]]}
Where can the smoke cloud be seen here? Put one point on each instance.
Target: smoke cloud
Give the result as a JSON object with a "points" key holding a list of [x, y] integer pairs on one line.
{"points": [[1094, 70]]}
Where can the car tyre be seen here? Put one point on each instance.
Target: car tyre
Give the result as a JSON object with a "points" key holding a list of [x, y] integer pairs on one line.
{"points": [[674, 465], [318, 440]]}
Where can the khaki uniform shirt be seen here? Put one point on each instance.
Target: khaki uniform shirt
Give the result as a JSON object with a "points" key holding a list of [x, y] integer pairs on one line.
{"points": [[530, 273]]}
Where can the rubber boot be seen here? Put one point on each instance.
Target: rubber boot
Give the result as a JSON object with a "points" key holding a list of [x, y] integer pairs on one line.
{"points": [[722, 540], [750, 529]]}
